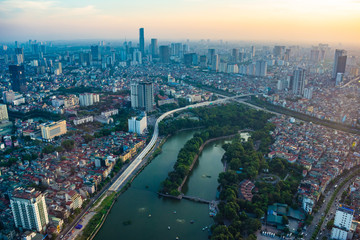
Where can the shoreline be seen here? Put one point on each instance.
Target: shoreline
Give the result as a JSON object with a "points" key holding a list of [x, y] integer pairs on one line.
{"points": [[201, 148], [161, 141]]}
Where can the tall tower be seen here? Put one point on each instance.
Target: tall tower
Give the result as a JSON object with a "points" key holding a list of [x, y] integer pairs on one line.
{"points": [[19, 54], [29, 209], [141, 41], [164, 52], [252, 51], [261, 68], [154, 47], [299, 81], [18, 81], [210, 56], [142, 96], [95, 53], [339, 62], [235, 55]]}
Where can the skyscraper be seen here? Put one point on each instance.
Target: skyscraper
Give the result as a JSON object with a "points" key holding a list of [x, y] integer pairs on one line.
{"points": [[235, 55], [19, 53], [299, 81], [278, 51], [215, 63], [154, 47], [339, 62], [95, 53], [261, 68], [141, 41], [142, 96], [252, 51], [210, 56], [164, 52], [29, 209], [18, 81]]}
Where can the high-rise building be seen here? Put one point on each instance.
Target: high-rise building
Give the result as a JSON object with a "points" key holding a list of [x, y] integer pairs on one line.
{"points": [[315, 55], [342, 223], [190, 59], [235, 55], [253, 49], [141, 41], [339, 62], [164, 52], [261, 68], [19, 53], [18, 81], [177, 49], [3, 112], [299, 81], [287, 54], [95, 53], [58, 68], [88, 99], [137, 57], [203, 61], [51, 130], [142, 96], [29, 209], [279, 50], [138, 124], [210, 56], [215, 63], [154, 47]]}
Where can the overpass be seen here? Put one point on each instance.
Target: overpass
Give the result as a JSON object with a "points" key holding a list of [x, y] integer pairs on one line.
{"points": [[351, 81], [125, 176]]}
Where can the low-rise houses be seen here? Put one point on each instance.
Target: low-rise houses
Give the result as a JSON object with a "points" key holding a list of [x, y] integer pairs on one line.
{"points": [[323, 152]]}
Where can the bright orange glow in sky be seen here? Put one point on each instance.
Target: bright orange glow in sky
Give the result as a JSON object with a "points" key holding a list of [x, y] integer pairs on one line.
{"points": [[331, 21]]}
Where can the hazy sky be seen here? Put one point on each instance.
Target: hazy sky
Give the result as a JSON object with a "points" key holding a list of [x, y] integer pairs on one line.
{"points": [[255, 20]]}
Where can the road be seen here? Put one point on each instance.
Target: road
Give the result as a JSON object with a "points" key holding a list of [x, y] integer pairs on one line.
{"points": [[141, 157], [354, 80], [317, 216], [122, 177]]}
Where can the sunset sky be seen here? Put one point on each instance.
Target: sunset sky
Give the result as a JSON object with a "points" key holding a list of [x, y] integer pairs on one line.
{"points": [[255, 20]]}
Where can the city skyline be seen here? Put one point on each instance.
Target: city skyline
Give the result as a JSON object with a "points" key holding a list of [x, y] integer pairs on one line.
{"points": [[279, 21]]}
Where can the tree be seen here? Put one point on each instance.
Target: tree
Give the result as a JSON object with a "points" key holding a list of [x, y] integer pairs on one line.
{"points": [[88, 138], [330, 224], [285, 220], [48, 149], [68, 145]]}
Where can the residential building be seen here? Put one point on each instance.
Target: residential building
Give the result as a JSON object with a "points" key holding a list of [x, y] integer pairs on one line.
{"points": [[3, 112], [339, 62], [261, 68], [88, 99], [83, 120], [141, 41], [73, 200], [110, 113], [154, 47], [18, 81], [299, 81], [29, 209], [342, 223], [164, 52], [51, 130], [142, 96], [138, 124]]}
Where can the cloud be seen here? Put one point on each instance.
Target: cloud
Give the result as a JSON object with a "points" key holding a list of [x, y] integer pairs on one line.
{"points": [[16, 5]]}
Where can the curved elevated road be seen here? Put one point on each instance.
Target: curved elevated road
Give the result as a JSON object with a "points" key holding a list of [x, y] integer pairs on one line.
{"points": [[139, 159]]}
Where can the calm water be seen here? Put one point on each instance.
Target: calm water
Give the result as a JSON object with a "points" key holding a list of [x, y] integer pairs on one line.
{"points": [[138, 202]]}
